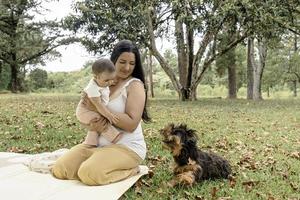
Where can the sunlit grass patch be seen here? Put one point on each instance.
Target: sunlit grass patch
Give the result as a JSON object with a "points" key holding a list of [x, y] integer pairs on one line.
{"points": [[260, 139]]}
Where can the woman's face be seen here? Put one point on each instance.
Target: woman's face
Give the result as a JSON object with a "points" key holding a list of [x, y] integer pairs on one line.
{"points": [[125, 65]]}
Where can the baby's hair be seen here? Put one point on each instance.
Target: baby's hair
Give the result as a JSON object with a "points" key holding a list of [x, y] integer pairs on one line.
{"points": [[103, 65]]}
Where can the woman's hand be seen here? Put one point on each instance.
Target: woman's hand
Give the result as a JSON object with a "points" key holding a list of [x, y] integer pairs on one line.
{"points": [[112, 118], [98, 124]]}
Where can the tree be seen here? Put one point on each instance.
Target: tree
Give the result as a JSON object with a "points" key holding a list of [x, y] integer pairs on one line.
{"points": [[144, 21], [193, 25], [25, 41], [38, 78], [278, 18], [256, 65], [275, 68], [228, 60]]}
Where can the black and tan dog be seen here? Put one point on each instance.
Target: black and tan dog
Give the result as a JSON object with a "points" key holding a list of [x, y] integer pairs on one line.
{"points": [[192, 164]]}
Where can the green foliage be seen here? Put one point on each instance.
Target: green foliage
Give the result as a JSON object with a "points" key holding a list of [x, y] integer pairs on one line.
{"points": [[70, 82], [38, 78], [107, 22], [25, 40], [275, 68], [260, 139], [4, 76], [294, 67]]}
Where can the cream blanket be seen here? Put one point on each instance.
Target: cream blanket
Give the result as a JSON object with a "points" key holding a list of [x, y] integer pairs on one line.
{"points": [[19, 180]]}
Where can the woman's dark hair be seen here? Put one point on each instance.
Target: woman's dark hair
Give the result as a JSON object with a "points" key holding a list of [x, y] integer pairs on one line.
{"points": [[138, 72]]}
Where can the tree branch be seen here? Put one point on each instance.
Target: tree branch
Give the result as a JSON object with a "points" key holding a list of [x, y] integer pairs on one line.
{"points": [[40, 53], [298, 76], [2, 57], [164, 64], [209, 61], [286, 26]]}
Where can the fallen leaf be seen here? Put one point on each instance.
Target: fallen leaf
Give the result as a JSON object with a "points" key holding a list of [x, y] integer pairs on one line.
{"points": [[150, 173], [159, 191], [145, 183], [213, 192], [294, 186], [16, 150], [187, 193], [295, 154], [199, 197], [270, 197], [46, 112], [232, 181], [224, 198], [249, 185], [39, 125], [137, 188]]}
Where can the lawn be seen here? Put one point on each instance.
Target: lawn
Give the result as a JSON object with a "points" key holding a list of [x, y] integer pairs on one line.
{"points": [[260, 139]]}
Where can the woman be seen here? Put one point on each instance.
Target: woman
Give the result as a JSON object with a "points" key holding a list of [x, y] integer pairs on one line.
{"points": [[109, 162]]}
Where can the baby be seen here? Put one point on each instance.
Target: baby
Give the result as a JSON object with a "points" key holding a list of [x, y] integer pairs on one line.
{"points": [[97, 93]]}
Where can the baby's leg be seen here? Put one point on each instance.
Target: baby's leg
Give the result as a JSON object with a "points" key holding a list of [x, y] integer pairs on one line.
{"points": [[88, 118], [91, 138], [97, 124], [96, 127], [112, 134]]}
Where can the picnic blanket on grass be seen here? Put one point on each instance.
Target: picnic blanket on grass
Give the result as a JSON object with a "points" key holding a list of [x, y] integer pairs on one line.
{"points": [[18, 181]]}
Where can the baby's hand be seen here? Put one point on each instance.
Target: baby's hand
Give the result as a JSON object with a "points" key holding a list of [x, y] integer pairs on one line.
{"points": [[112, 82], [112, 118], [97, 124], [115, 119]]}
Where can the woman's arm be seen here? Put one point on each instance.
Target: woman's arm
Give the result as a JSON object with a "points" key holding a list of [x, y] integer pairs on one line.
{"points": [[96, 101], [134, 107]]}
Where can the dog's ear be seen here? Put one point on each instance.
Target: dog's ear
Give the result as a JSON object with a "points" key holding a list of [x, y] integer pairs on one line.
{"points": [[171, 126], [192, 136], [183, 126], [167, 129]]}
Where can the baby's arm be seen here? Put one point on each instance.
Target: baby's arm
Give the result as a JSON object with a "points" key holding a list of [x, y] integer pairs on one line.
{"points": [[96, 101]]}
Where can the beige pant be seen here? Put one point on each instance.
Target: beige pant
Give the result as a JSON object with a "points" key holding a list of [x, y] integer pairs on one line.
{"points": [[97, 166], [103, 127]]}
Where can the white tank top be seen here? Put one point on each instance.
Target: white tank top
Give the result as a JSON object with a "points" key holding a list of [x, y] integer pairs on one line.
{"points": [[134, 140]]}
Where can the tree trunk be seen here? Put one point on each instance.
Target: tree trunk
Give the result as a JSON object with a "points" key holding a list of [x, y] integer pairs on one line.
{"points": [[190, 59], [14, 85], [181, 60], [193, 95], [295, 88], [162, 61], [250, 55], [150, 75], [259, 69], [231, 75], [268, 92], [1, 67], [295, 49]]}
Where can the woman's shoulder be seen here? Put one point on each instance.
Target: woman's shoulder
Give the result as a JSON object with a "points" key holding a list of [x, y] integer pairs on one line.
{"points": [[133, 80], [134, 83]]}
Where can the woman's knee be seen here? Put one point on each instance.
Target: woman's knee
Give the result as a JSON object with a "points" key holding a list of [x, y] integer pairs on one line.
{"points": [[92, 176], [59, 171], [63, 170]]}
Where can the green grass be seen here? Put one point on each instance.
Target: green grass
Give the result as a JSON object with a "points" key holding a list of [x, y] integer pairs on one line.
{"points": [[260, 139]]}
